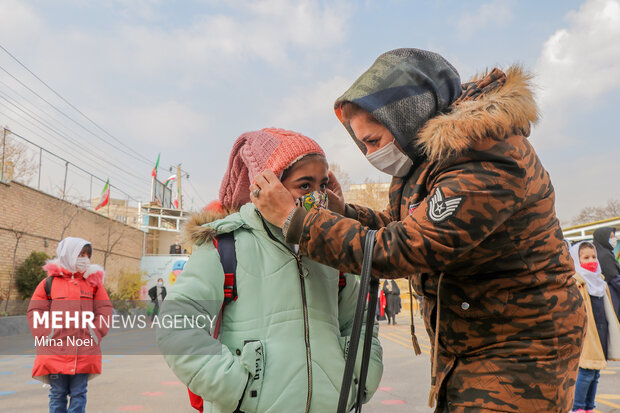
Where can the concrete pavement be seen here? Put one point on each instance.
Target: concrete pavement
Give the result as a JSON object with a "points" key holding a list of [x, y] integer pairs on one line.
{"points": [[146, 384]]}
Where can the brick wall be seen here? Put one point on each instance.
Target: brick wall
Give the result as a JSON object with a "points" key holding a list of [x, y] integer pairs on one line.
{"points": [[39, 217]]}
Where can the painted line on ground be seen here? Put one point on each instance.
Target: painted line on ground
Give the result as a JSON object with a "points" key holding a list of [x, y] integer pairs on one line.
{"points": [[6, 393], [406, 335], [606, 403], [407, 340], [609, 396], [393, 402], [409, 345]]}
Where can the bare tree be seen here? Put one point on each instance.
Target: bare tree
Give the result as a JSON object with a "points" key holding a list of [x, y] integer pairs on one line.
{"points": [[112, 239], [69, 212], [19, 165], [371, 194], [18, 232], [590, 213]]}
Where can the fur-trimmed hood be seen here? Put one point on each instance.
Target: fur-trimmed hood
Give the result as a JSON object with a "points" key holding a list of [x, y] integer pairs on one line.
{"points": [[94, 274], [495, 113], [506, 110], [196, 231]]}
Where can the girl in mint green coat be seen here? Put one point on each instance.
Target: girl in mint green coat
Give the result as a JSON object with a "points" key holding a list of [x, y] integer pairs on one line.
{"points": [[284, 339]]}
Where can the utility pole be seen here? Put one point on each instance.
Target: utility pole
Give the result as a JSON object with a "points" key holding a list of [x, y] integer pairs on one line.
{"points": [[179, 192], [3, 151]]}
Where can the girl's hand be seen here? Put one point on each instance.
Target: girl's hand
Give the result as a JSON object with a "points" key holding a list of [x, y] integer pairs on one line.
{"points": [[334, 194], [274, 201]]}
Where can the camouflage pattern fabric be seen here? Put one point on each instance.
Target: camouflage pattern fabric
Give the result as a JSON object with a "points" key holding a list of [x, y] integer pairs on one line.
{"points": [[480, 210]]}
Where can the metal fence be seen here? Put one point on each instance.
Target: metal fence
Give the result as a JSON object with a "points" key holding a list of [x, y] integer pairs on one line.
{"points": [[26, 162]]}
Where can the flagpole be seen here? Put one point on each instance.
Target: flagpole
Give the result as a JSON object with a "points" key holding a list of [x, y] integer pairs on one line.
{"points": [[109, 199]]}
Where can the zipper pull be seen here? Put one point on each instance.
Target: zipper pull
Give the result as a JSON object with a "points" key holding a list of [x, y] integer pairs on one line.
{"points": [[303, 271]]}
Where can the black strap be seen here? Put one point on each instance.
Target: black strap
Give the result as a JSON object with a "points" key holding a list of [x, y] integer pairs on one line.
{"points": [[48, 287], [225, 245], [370, 324], [228, 257], [365, 283]]}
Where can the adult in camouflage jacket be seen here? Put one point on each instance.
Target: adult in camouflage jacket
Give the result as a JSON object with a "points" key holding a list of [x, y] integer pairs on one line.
{"points": [[472, 221]]}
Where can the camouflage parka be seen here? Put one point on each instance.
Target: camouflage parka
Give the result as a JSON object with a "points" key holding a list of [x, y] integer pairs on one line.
{"points": [[474, 224]]}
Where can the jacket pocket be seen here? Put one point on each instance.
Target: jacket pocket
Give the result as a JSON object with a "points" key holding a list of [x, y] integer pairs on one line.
{"points": [[253, 359], [475, 305]]}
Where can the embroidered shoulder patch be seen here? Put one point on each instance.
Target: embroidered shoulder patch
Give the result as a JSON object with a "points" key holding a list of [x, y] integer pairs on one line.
{"points": [[440, 208]]}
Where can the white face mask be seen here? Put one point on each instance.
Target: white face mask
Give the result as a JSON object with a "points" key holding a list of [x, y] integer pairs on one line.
{"points": [[390, 160], [160, 283], [613, 242], [82, 263]]}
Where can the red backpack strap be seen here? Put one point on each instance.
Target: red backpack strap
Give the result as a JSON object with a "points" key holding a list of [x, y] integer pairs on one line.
{"points": [[195, 400], [225, 244], [342, 281]]}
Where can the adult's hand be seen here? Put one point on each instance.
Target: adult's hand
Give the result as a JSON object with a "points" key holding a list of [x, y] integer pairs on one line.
{"points": [[334, 194], [274, 201]]}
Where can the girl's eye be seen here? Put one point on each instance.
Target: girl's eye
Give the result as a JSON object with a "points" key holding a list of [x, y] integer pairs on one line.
{"points": [[323, 187], [304, 186]]}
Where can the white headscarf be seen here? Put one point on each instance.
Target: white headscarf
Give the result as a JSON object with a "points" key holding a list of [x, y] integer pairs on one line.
{"points": [[594, 283], [68, 251]]}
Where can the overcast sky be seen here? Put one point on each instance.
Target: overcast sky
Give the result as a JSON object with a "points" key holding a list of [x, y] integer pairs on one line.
{"points": [[185, 78]]}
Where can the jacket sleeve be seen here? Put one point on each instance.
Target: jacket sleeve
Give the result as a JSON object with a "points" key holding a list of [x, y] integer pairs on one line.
{"points": [[466, 203], [103, 310], [206, 366], [367, 216], [347, 300]]}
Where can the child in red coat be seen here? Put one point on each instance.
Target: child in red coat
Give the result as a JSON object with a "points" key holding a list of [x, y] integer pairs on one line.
{"points": [[68, 356]]}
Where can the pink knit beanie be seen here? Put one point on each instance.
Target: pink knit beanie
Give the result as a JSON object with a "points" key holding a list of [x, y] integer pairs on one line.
{"points": [[253, 152]]}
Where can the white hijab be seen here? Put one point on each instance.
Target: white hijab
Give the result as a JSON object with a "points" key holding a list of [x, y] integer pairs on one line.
{"points": [[594, 283], [68, 251]]}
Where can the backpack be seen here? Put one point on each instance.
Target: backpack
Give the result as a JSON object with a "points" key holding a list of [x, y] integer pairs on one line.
{"points": [[225, 245], [48, 288]]}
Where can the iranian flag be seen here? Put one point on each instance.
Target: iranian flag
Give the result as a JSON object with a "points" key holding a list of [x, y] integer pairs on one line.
{"points": [[105, 195], [170, 179], [154, 173]]}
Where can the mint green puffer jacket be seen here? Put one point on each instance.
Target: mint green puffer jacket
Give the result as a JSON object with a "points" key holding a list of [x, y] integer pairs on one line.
{"points": [[283, 341]]}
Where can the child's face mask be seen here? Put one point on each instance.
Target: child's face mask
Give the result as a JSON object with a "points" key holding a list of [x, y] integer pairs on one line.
{"points": [[314, 199], [82, 263], [590, 266]]}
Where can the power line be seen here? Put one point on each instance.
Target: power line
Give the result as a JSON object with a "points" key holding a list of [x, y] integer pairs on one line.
{"points": [[65, 149], [75, 144], [72, 106], [34, 109], [71, 163], [69, 117]]}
